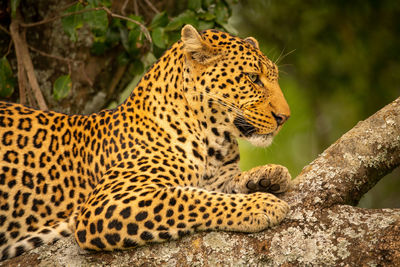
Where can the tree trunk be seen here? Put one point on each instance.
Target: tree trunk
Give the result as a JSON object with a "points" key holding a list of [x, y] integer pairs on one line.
{"points": [[321, 228]]}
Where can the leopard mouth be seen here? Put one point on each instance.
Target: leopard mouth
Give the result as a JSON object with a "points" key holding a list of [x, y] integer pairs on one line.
{"points": [[249, 131], [244, 126]]}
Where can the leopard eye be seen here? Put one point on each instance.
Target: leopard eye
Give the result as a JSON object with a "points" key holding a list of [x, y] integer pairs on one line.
{"points": [[255, 78]]}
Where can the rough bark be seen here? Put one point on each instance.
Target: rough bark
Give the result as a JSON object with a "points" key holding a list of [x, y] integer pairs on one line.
{"points": [[321, 228]]}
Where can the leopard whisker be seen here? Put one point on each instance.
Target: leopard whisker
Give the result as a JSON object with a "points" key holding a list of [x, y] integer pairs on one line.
{"points": [[281, 57]]}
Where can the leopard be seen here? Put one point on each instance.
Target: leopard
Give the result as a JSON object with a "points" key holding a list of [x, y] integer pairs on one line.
{"points": [[161, 165]]}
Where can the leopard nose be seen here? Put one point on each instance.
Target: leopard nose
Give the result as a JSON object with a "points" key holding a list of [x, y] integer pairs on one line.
{"points": [[280, 118]]}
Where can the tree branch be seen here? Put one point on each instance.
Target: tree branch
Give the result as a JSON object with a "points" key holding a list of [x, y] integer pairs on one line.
{"points": [[4, 29], [22, 83], [108, 11], [350, 167], [66, 60], [152, 7], [25, 66]]}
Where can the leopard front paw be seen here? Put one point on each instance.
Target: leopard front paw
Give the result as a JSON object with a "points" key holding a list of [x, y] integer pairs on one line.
{"points": [[266, 211], [269, 178]]}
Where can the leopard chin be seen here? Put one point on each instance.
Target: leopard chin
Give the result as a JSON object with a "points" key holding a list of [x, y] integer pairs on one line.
{"points": [[261, 140]]}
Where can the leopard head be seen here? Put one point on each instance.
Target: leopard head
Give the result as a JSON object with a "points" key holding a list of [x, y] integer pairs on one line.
{"points": [[235, 75]]}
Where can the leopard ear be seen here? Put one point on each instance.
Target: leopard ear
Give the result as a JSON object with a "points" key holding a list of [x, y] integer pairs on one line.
{"points": [[252, 41], [195, 46]]}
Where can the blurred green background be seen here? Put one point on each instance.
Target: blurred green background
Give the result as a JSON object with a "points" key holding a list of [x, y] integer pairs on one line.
{"points": [[339, 63]]}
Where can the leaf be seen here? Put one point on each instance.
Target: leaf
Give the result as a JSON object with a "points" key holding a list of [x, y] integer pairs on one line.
{"points": [[7, 80], [208, 3], [73, 22], [123, 58], [93, 3], [102, 43], [229, 28], [158, 37], [106, 3], [221, 12], [14, 7], [134, 42], [98, 48], [149, 59], [159, 20], [187, 17], [134, 36], [130, 41], [112, 36], [123, 32], [173, 37], [137, 67], [62, 87], [97, 21], [205, 25], [207, 16], [194, 4], [131, 25]]}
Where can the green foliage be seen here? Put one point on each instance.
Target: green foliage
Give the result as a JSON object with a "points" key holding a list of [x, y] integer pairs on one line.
{"points": [[164, 28], [137, 68], [62, 87], [187, 17], [159, 20], [73, 22], [97, 20], [7, 81], [159, 38]]}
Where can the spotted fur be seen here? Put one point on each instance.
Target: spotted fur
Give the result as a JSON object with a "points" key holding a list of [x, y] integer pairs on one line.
{"points": [[161, 165]]}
